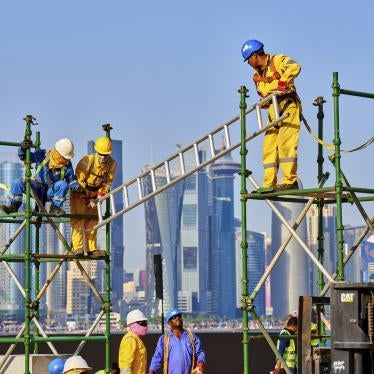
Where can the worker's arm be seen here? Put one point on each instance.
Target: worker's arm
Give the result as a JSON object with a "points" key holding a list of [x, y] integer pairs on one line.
{"points": [[126, 354], [105, 188], [71, 178], [288, 69], [81, 171], [199, 354], [157, 361]]}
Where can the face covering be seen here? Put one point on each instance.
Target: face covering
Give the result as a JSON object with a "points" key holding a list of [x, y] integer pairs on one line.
{"points": [[138, 330]]}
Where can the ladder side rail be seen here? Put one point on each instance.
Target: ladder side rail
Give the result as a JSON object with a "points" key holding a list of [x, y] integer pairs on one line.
{"points": [[176, 180], [196, 151]]}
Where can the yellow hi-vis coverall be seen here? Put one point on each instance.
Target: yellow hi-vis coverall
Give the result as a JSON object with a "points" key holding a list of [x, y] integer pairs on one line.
{"points": [[280, 142], [96, 180], [132, 356]]}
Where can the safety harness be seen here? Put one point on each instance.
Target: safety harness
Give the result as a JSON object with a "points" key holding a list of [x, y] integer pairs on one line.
{"points": [[258, 78], [166, 350], [44, 163], [104, 177]]}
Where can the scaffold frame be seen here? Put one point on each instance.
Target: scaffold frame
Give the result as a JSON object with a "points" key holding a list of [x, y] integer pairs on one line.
{"points": [[338, 194]]}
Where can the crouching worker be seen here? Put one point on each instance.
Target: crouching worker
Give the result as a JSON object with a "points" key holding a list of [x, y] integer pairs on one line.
{"points": [[132, 355], [95, 174], [53, 176]]}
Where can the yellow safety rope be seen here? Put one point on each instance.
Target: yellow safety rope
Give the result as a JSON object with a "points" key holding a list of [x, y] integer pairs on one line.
{"points": [[331, 147]]}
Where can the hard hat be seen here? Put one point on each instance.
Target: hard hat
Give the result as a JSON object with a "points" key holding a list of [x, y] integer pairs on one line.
{"points": [[294, 313], [103, 145], [75, 362], [65, 148], [135, 315], [171, 313], [56, 366], [249, 47]]}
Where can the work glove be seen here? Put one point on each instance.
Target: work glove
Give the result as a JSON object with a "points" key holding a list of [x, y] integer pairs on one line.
{"points": [[93, 203], [76, 187], [277, 371], [282, 86], [26, 143]]}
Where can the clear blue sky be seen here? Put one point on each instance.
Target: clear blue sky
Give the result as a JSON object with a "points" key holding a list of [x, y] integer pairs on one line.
{"points": [[167, 72]]}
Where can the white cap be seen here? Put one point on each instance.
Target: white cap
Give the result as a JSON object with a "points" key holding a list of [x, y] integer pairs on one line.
{"points": [[135, 315], [75, 362], [65, 148]]}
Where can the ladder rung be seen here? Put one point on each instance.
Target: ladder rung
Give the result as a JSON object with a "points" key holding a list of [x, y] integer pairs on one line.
{"points": [[140, 192], [197, 158], [211, 143], [181, 161], [227, 136], [153, 180], [112, 204], [167, 171], [275, 105], [259, 117], [125, 196]]}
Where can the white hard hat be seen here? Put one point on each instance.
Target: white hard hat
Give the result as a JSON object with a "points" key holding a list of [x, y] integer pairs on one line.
{"points": [[75, 362], [135, 315], [65, 148]]}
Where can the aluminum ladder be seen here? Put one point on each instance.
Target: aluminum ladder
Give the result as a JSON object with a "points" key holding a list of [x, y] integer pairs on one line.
{"points": [[171, 178]]}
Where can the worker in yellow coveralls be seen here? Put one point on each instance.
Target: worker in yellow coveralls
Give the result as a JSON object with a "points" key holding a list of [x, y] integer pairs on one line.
{"points": [[277, 73], [95, 174]]}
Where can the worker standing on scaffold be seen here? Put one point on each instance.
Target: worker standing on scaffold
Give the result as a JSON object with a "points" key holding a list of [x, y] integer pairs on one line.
{"points": [[53, 176], [95, 174], [277, 74]]}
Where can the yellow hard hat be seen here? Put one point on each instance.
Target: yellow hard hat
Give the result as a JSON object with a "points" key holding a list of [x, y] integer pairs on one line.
{"points": [[103, 145]]}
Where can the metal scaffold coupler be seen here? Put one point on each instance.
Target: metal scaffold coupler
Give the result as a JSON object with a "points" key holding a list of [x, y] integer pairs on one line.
{"points": [[247, 302]]}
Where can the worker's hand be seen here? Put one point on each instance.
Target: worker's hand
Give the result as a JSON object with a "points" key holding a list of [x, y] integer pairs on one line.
{"points": [[282, 86], [277, 371], [93, 203], [76, 187], [26, 143]]}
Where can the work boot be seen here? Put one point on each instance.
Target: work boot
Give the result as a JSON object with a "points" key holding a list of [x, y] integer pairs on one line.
{"points": [[97, 253], [56, 210], [11, 208], [285, 187], [78, 252]]}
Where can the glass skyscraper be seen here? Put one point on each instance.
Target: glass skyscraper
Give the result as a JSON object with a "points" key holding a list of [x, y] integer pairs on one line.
{"points": [[11, 300], [222, 236]]}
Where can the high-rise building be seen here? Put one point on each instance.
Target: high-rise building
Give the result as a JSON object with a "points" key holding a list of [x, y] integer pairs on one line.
{"points": [[289, 278], [11, 299], [163, 217], [193, 259], [255, 267], [116, 234], [222, 236]]}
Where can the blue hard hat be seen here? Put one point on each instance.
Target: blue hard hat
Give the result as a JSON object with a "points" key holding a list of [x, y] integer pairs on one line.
{"points": [[249, 47], [171, 313], [56, 366]]}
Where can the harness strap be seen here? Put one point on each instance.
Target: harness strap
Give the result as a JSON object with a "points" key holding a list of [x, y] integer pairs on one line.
{"points": [[258, 78], [91, 160], [44, 163]]}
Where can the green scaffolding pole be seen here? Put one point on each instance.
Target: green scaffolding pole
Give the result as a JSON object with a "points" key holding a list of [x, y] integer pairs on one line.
{"points": [[244, 244]]}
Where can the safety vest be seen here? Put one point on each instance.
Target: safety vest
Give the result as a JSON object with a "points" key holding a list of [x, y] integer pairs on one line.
{"points": [[166, 350], [289, 354], [314, 330]]}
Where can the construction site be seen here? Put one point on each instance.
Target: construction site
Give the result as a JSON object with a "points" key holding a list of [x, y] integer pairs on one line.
{"points": [[344, 311]]}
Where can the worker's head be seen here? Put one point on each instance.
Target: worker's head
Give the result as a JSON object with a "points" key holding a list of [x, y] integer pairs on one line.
{"points": [[65, 148], [56, 366], [137, 322], [292, 324], [103, 147], [76, 365], [114, 368], [253, 52], [174, 318]]}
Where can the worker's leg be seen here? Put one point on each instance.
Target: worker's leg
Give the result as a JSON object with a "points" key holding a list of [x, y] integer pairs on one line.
{"points": [[77, 206], [57, 193], [270, 155], [288, 139], [16, 192], [91, 235]]}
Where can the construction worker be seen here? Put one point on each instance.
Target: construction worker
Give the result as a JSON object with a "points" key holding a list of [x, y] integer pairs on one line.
{"points": [[53, 176], [56, 366], [95, 174], [132, 356], [277, 73], [287, 348], [76, 365], [178, 351]]}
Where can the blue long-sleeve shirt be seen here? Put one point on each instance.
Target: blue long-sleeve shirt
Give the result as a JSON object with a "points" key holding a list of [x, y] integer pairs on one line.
{"points": [[180, 354], [46, 175]]}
